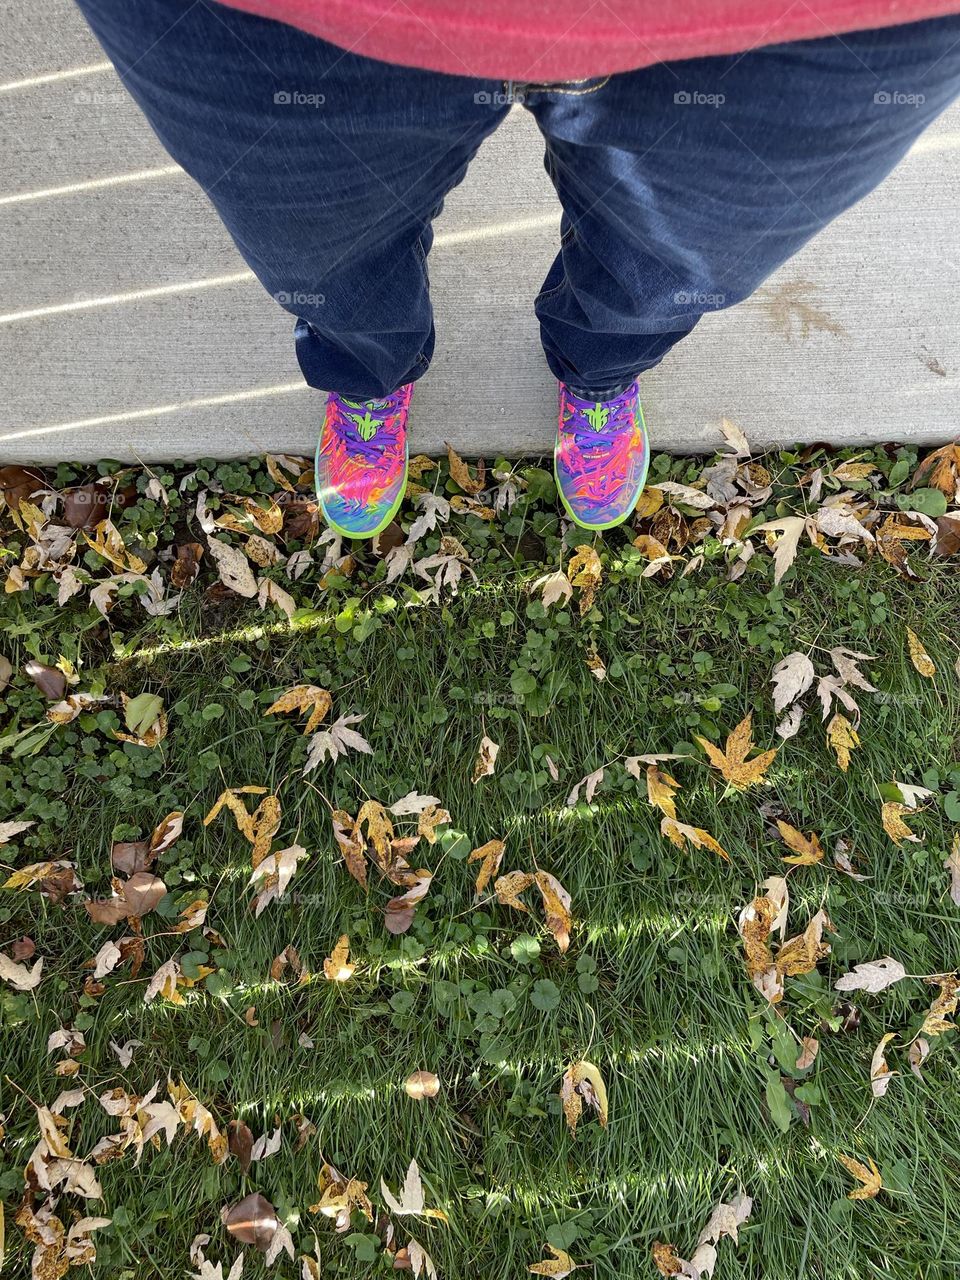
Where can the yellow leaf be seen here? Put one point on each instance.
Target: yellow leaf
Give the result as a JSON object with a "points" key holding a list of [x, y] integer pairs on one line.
{"points": [[648, 504], [894, 825], [460, 472], [26, 876], [808, 849], [679, 833], [869, 1177], [336, 967], [509, 887], [379, 826], [301, 698], [560, 1265], [108, 543], [585, 572], [428, 821], [842, 736], [230, 799], [661, 789], [489, 855], [936, 1022], [556, 907], [919, 656], [853, 470], [732, 762], [583, 1083]]}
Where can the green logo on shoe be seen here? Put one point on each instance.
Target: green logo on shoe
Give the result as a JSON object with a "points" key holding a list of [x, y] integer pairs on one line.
{"points": [[367, 427], [597, 416]]}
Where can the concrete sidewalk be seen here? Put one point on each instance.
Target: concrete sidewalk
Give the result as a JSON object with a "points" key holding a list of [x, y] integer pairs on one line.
{"points": [[130, 328]]}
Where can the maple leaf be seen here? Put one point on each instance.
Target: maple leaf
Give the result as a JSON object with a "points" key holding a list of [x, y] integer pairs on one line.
{"points": [[872, 976], [429, 819], [666, 1259], [842, 736], [230, 799], [559, 1266], [791, 679], [489, 855], [583, 1083], [335, 742], [869, 1177], [411, 1197], [801, 954], [18, 975], [336, 967], [275, 870], [556, 907], [460, 472], [732, 763], [944, 1006], [553, 587], [893, 824], [807, 849], [679, 833], [785, 547], [303, 697], [351, 845], [509, 887], [940, 470]]}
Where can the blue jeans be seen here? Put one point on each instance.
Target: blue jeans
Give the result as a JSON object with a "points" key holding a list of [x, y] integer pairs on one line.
{"points": [[682, 185]]}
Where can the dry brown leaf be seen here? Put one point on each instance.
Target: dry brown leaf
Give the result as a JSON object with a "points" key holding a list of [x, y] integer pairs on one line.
{"points": [[665, 1259], [732, 763], [585, 572], [556, 907], [808, 1054], [489, 855], [880, 1073], [429, 819], [940, 470], [351, 845], [460, 472], [937, 1019], [486, 760], [952, 864], [336, 967], [509, 887]]}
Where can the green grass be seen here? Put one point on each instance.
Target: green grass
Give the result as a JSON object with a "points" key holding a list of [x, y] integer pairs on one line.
{"points": [[653, 989]]}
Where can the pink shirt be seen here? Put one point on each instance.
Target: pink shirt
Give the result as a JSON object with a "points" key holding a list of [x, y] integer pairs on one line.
{"points": [[545, 40]]}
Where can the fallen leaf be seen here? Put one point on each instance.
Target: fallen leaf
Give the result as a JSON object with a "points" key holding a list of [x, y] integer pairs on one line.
{"points": [[919, 656], [411, 1201], [785, 547], [556, 907], [460, 472], [791, 679], [420, 1085], [303, 697], [843, 738], [554, 588], [336, 967], [880, 1073], [233, 568], [18, 975], [732, 763], [336, 742], [872, 976], [808, 1055], [486, 760], [952, 864], [869, 1177], [665, 1259], [559, 1266], [661, 788], [585, 572], [893, 824], [583, 1083], [807, 849], [252, 1220], [489, 855], [917, 1055], [679, 833]]}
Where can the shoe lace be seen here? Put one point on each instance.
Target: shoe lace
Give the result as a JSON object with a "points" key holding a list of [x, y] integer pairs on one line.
{"points": [[594, 424], [364, 426]]}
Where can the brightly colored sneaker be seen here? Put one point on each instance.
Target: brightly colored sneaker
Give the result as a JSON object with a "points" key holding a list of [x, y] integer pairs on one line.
{"points": [[601, 457], [361, 466]]}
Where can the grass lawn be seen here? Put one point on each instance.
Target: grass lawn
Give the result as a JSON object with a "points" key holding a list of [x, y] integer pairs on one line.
{"points": [[705, 1098]]}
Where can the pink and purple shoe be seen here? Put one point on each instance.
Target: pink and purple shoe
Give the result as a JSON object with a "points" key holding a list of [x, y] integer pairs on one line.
{"points": [[601, 457], [361, 465]]}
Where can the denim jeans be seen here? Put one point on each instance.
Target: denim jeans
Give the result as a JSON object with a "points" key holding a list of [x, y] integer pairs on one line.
{"points": [[683, 185]]}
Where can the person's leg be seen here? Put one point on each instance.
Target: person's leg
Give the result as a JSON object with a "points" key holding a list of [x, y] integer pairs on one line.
{"points": [[325, 167], [684, 185]]}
